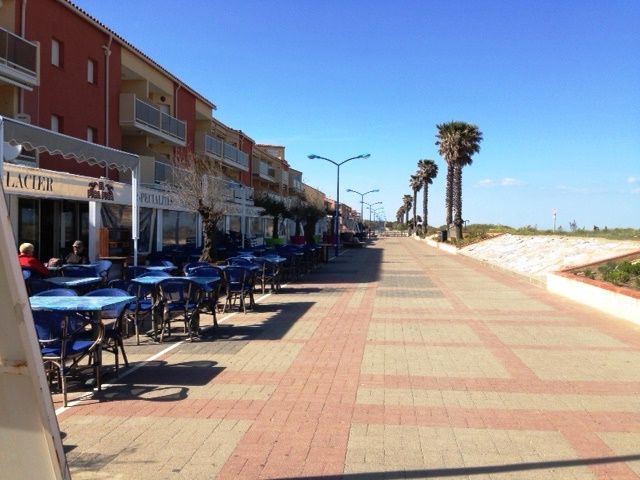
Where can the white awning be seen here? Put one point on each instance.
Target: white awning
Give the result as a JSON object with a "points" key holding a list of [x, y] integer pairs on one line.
{"points": [[43, 140]]}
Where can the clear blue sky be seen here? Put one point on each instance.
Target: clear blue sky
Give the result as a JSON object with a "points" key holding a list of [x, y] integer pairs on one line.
{"points": [[553, 85]]}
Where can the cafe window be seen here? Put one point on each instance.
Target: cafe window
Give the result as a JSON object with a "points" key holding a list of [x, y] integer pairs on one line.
{"points": [[117, 219], [178, 228], [28, 221]]}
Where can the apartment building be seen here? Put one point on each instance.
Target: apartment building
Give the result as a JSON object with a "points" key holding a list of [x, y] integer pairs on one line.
{"points": [[86, 82]]}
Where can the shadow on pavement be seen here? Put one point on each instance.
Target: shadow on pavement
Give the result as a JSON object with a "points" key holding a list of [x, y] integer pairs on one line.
{"points": [[484, 470]]}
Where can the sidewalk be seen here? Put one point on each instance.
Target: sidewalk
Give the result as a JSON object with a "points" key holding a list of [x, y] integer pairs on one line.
{"points": [[392, 361]]}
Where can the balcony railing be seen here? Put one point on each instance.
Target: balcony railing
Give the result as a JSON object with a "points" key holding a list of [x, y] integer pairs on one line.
{"points": [[298, 186], [167, 174], [235, 157], [267, 172], [213, 146], [139, 114], [18, 59]]}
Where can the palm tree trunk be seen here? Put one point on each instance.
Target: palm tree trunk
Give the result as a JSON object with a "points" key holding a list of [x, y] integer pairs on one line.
{"points": [[415, 200], [425, 200], [457, 198], [449, 195]]}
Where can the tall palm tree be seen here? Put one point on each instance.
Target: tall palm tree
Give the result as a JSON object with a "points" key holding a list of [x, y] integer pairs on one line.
{"points": [[416, 184], [400, 214], [457, 142], [427, 171], [407, 202]]}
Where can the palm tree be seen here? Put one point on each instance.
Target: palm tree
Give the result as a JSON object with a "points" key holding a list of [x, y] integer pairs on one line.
{"points": [[407, 202], [416, 184], [400, 214], [427, 171], [457, 142]]}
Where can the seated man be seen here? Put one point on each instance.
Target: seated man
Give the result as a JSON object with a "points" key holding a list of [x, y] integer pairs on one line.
{"points": [[77, 256], [28, 261]]}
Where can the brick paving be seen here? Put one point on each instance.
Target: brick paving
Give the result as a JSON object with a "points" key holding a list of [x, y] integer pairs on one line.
{"points": [[393, 361]]}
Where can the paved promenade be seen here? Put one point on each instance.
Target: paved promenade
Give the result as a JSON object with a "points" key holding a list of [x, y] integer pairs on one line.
{"points": [[393, 361]]}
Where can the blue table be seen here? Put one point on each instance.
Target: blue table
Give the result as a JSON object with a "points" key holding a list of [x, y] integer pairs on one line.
{"points": [[160, 268], [204, 285], [91, 305], [73, 282]]}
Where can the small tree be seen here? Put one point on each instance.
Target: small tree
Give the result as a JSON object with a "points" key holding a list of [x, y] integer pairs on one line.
{"points": [[312, 215], [272, 208], [198, 186]]}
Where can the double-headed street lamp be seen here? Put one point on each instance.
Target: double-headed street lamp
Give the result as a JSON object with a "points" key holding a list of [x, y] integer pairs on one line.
{"points": [[337, 220], [362, 201], [370, 209]]}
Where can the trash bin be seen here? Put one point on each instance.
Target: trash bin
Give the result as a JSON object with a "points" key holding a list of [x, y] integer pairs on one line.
{"points": [[442, 236]]}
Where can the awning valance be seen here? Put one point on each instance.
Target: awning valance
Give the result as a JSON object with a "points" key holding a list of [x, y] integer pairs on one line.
{"points": [[42, 140]]}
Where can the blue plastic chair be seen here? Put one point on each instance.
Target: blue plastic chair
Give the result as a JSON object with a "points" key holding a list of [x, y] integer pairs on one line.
{"points": [[112, 338], [191, 265], [63, 343], [211, 292], [79, 271], [180, 299], [135, 271], [58, 292], [102, 268], [239, 285], [140, 308]]}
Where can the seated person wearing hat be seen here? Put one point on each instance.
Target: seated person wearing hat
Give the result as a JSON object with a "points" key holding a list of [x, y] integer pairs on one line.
{"points": [[77, 256], [28, 261]]}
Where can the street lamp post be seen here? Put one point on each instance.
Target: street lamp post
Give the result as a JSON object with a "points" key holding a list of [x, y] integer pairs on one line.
{"points": [[362, 200], [337, 213], [370, 209]]}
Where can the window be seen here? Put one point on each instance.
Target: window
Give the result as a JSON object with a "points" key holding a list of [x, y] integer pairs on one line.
{"points": [[56, 52], [92, 135], [56, 123], [178, 228], [92, 68]]}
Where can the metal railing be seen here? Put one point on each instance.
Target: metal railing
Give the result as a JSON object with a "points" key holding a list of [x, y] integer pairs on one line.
{"points": [[237, 157], [155, 118], [20, 56], [213, 146]]}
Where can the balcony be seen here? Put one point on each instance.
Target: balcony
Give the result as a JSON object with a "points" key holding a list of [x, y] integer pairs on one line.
{"points": [[167, 175], [212, 146], [297, 186], [266, 172], [137, 116], [234, 194], [235, 157], [18, 60]]}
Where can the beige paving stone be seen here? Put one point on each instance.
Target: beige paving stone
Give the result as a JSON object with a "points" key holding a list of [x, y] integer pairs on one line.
{"points": [[189, 445], [465, 362], [417, 448], [256, 356], [419, 332], [624, 443], [582, 365], [426, 304], [232, 391], [302, 330], [498, 400], [554, 336]]}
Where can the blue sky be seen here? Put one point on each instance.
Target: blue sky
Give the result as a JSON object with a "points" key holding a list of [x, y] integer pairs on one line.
{"points": [[553, 86]]}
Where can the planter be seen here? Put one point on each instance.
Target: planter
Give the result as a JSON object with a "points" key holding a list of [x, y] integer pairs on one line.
{"points": [[617, 301], [297, 239]]}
